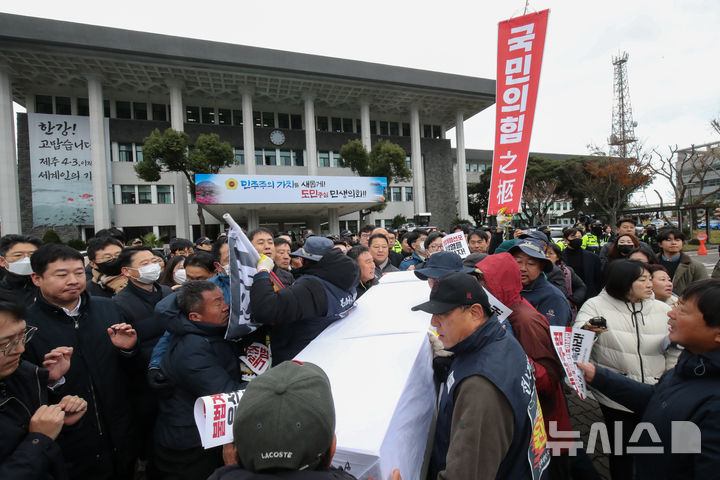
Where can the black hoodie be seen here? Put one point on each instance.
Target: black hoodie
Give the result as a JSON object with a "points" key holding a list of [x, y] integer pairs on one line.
{"points": [[301, 311]]}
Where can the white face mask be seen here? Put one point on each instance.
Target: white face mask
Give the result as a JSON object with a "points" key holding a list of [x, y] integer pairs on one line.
{"points": [[21, 267], [180, 276], [149, 273]]}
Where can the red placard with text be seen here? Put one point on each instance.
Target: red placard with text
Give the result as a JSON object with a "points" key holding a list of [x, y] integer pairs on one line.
{"points": [[520, 49]]}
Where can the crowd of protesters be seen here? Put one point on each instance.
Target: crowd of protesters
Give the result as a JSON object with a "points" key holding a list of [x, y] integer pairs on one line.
{"points": [[126, 337]]}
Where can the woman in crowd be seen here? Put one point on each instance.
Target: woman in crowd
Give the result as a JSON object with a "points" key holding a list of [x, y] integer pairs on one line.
{"points": [[574, 286], [433, 243], [622, 247], [174, 272], [632, 343], [662, 285]]}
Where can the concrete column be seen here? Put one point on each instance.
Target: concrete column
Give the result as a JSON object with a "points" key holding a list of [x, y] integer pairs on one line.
{"points": [[417, 163], [253, 217], [333, 221], [365, 124], [248, 130], [461, 173], [310, 138], [30, 103], [9, 193], [177, 122], [101, 189], [314, 225]]}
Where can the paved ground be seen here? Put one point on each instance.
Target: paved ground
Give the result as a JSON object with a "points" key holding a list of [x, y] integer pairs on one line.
{"points": [[584, 413], [708, 260]]}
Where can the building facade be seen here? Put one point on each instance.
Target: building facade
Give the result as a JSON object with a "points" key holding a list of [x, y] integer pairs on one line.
{"points": [[283, 113]]}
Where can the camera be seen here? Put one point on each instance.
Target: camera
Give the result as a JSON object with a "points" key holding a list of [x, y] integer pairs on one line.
{"points": [[599, 322]]}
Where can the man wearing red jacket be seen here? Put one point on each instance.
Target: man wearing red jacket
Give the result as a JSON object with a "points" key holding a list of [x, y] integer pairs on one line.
{"points": [[501, 277]]}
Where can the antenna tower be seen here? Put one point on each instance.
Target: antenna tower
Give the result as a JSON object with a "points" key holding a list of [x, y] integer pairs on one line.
{"points": [[623, 126]]}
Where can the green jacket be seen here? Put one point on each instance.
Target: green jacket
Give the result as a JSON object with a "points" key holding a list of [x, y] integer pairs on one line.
{"points": [[687, 272]]}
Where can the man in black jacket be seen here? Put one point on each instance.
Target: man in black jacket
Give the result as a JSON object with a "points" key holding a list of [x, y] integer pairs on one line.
{"points": [[101, 446], [199, 362], [16, 284], [105, 278], [28, 424], [323, 293], [137, 303]]}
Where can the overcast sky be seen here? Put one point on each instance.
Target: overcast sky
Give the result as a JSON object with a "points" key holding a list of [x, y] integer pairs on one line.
{"points": [[673, 69]]}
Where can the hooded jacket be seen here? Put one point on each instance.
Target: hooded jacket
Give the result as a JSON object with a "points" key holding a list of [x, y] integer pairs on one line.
{"points": [[690, 392], [633, 344], [532, 331], [198, 362], [548, 300], [323, 292]]}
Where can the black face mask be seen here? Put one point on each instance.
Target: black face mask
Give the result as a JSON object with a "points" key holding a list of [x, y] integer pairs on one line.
{"points": [[110, 268], [575, 243], [625, 249]]}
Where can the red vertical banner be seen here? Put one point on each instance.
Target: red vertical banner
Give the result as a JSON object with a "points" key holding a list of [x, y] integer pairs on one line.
{"points": [[521, 42]]}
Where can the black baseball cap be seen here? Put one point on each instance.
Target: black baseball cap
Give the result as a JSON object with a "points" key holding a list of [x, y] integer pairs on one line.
{"points": [[454, 290]]}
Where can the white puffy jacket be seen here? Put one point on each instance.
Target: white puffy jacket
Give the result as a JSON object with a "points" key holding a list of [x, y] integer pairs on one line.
{"points": [[632, 348]]}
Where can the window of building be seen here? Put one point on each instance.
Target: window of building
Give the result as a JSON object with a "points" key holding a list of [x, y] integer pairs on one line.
{"points": [[224, 116], [237, 118], [239, 156], [427, 131], [295, 121], [125, 152], [565, 206], [323, 159], [436, 131], [384, 128], [140, 111], [408, 162], [467, 167], [396, 194], [408, 194], [207, 115], [336, 124], [285, 158], [359, 126], [268, 119], [144, 194], [373, 127], [192, 114], [406, 129], [167, 232], [483, 167], [127, 194], [164, 193], [43, 104], [299, 158], [257, 119], [159, 112], [83, 107], [106, 108], [335, 160], [394, 128], [62, 106], [259, 159], [378, 223], [123, 110], [138, 153], [474, 167], [347, 125], [322, 124], [270, 158], [283, 120]]}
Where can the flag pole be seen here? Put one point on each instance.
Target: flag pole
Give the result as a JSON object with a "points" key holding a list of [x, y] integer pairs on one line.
{"points": [[230, 221]]}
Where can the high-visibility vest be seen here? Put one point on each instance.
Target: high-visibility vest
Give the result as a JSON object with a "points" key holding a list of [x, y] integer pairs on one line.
{"points": [[590, 241]]}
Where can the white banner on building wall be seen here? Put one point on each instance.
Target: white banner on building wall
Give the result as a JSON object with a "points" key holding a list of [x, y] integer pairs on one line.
{"points": [[61, 168], [221, 188]]}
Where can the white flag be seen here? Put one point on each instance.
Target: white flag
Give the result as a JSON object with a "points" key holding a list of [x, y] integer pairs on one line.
{"points": [[243, 266]]}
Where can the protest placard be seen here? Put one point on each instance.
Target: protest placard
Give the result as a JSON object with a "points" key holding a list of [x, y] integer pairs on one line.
{"points": [[573, 345], [455, 242]]}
